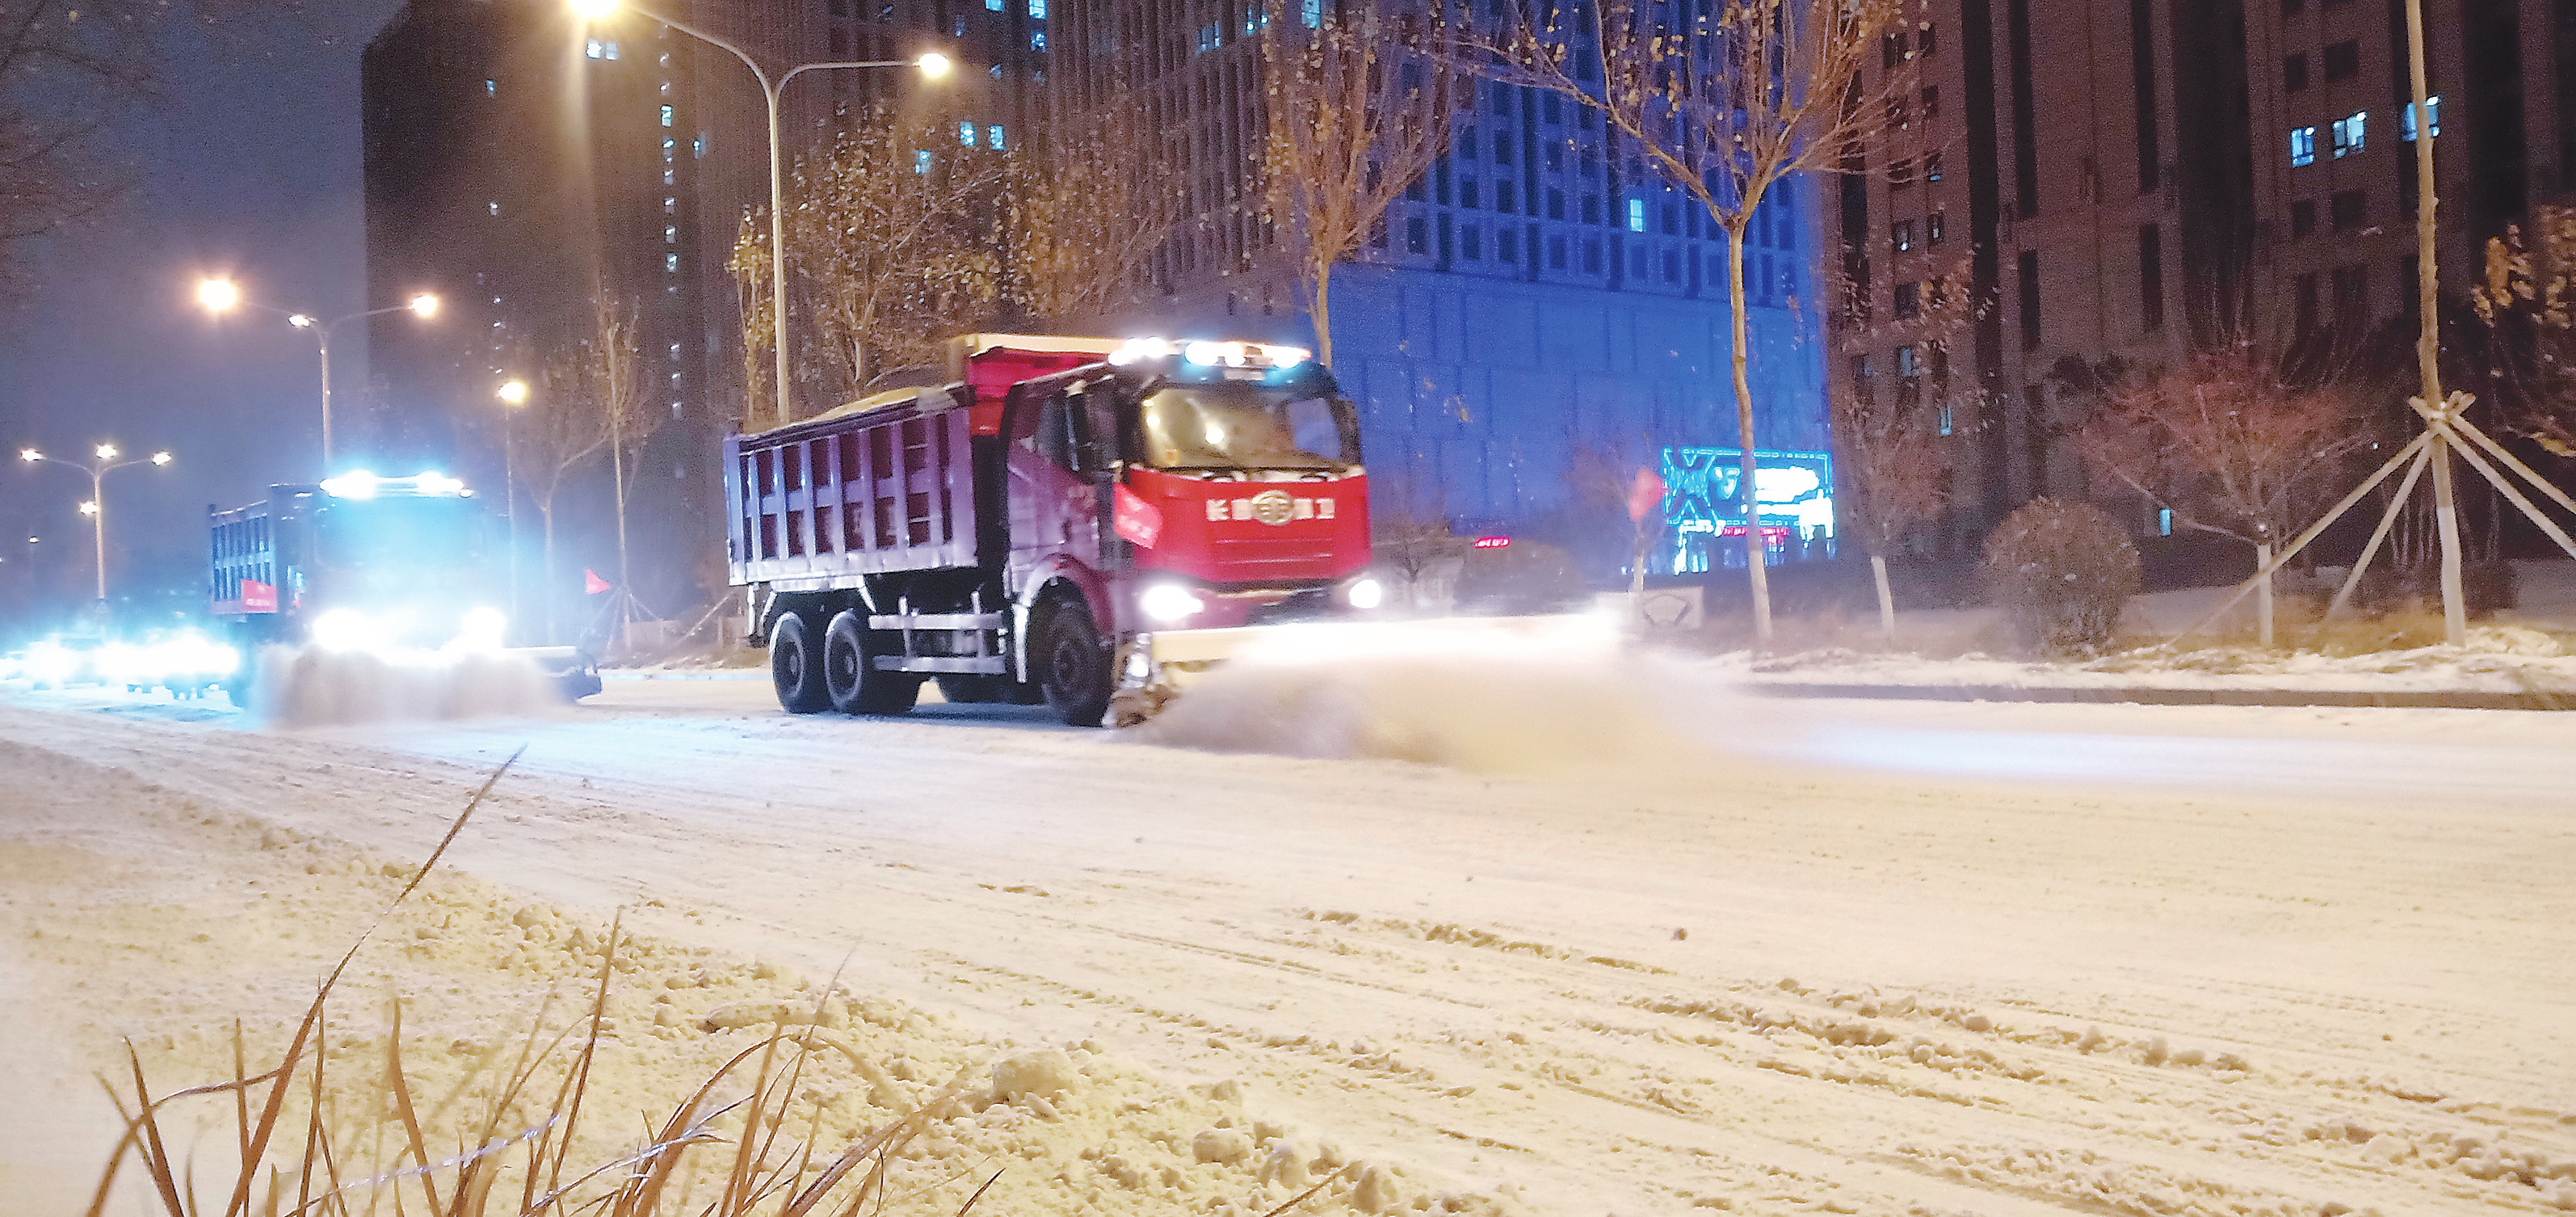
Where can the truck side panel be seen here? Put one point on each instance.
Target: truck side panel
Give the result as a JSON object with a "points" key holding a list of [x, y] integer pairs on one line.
{"points": [[867, 496]]}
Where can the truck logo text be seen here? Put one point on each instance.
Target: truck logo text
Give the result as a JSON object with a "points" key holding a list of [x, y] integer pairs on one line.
{"points": [[1270, 507]]}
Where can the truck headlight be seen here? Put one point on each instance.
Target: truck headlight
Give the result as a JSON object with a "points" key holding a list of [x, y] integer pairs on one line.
{"points": [[1169, 602], [1367, 594]]}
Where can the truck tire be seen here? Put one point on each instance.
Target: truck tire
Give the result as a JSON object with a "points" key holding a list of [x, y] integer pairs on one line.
{"points": [[796, 666], [855, 685], [1073, 665]]}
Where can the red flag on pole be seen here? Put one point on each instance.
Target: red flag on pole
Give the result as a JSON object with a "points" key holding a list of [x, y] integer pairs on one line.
{"points": [[592, 584], [1644, 495]]}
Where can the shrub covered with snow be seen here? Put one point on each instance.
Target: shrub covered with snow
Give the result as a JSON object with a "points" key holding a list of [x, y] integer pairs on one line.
{"points": [[2060, 571]]}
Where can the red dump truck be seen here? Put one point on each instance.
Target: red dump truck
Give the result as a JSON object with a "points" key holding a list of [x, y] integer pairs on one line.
{"points": [[1074, 521]]}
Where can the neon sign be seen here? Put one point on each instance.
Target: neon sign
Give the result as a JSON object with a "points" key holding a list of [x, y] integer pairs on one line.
{"points": [[1702, 490]]}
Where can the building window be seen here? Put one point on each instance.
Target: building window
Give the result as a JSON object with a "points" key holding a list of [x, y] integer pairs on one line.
{"points": [[1556, 253], [670, 234], [1932, 167], [1909, 301], [2406, 118], [1507, 245], [1502, 147], [957, 26], [670, 206], [670, 177], [1555, 204], [1861, 373], [671, 262], [966, 134], [1470, 196], [1506, 198], [1900, 235], [1037, 40], [600, 49], [2350, 208], [1417, 236], [921, 161], [1944, 418], [2303, 218], [1932, 227], [1907, 367], [670, 150], [2348, 133], [2343, 61], [1672, 266], [993, 6], [993, 136], [667, 115], [1471, 242], [495, 205], [1931, 101], [2164, 521], [1310, 13], [2294, 73], [1037, 10], [1891, 49], [1591, 208], [1592, 257], [2303, 146], [2351, 297], [1900, 173], [2304, 292], [1925, 39], [698, 148], [491, 88]]}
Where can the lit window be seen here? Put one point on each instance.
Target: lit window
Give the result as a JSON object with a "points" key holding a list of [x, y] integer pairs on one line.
{"points": [[993, 5], [698, 148], [670, 234], [495, 205], [671, 262], [1310, 13], [670, 148], [1037, 9], [993, 136], [670, 177], [2303, 146], [667, 114], [966, 134], [1946, 424], [2348, 133], [2164, 521], [491, 88], [670, 206], [2406, 118], [921, 161], [600, 49], [1636, 215], [1906, 367], [1037, 40]]}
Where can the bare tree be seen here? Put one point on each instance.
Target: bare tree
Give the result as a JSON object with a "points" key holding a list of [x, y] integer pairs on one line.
{"points": [[67, 69], [1359, 109], [2528, 303], [564, 425], [1895, 454], [1725, 105], [2226, 445], [894, 242], [1087, 210], [629, 418]]}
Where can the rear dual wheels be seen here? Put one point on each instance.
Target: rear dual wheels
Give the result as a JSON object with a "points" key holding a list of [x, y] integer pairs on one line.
{"points": [[796, 666], [856, 685]]}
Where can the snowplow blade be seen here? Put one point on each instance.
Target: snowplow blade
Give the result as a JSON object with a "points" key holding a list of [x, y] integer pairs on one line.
{"points": [[1154, 668], [572, 671]]}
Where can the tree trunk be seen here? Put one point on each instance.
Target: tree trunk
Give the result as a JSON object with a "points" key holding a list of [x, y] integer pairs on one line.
{"points": [[1757, 549], [2263, 594], [1323, 312], [1886, 598], [546, 575], [617, 472]]}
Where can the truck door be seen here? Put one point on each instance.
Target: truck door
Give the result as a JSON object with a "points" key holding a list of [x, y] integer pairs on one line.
{"points": [[1054, 508]]}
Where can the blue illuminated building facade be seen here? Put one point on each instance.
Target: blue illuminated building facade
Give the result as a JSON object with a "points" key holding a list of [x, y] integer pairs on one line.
{"points": [[1537, 311]]}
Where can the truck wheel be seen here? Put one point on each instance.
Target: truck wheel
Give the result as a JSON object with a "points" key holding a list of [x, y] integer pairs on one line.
{"points": [[856, 686], [1074, 667], [796, 667]]}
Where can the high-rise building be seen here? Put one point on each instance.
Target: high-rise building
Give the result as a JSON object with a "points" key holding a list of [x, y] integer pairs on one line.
{"points": [[1537, 294], [2126, 180]]}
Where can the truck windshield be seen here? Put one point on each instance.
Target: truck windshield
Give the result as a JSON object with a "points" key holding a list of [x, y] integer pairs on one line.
{"points": [[418, 534], [1224, 426]]}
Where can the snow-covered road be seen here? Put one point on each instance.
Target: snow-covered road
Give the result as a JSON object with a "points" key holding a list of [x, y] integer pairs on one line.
{"points": [[1873, 958]]}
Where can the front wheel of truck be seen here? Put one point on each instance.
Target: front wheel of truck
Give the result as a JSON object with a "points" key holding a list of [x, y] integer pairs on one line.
{"points": [[1074, 666], [796, 666]]}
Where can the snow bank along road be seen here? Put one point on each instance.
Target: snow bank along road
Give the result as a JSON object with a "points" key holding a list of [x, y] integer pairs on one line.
{"points": [[1881, 958]]}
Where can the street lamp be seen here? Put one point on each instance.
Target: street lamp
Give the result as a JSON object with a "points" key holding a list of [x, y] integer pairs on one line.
{"points": [[513, 394], [932, 66], [96, 507], [220, 296]]}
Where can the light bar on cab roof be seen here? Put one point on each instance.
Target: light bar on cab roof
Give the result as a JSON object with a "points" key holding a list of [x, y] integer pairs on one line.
{"points": [[1213, 354], [361, 484]]}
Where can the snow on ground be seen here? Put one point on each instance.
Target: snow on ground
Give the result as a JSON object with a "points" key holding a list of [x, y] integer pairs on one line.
{"points": [[1756, 957], [2496, 659]]}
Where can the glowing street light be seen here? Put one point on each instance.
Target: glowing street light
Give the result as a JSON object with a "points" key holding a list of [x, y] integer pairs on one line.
{"points": [[219, 296], [96, 507], [932, 66]]}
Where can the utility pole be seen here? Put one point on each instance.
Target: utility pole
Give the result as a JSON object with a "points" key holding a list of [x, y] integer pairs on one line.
{"points": [[2428, 348]]}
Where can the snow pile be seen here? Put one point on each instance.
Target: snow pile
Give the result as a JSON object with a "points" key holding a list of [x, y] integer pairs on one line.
{"points": [[318, 687], [1532, 695], [2496, 658]]}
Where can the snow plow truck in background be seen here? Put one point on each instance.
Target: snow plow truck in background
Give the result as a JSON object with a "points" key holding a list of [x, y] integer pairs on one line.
{"points": [[384, 565], [1075, 521]]}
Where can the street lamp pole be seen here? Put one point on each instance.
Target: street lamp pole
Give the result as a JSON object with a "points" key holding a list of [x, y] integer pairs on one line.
{"points": [[932, 65], [513, 394], [220, 295], [96, 507]]}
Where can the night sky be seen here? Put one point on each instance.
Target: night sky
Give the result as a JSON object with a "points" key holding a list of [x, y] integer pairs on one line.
{"points": [[250, 167]]}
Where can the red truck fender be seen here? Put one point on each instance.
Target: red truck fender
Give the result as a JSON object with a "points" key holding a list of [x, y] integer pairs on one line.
{"points": [[1050, 571]]}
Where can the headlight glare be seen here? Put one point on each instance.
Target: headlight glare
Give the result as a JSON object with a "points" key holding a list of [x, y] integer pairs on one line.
{"points": [[1169, 602], [1367, 594]]}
